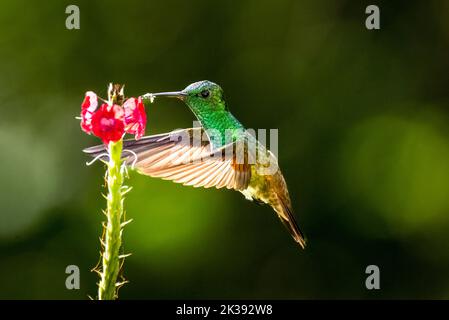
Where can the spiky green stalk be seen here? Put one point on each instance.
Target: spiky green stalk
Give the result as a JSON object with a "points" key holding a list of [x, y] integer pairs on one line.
{"points": [[107, 288]]}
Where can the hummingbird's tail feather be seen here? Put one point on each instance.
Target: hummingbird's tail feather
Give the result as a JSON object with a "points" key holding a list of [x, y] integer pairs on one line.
{"points": [[285, 213]]}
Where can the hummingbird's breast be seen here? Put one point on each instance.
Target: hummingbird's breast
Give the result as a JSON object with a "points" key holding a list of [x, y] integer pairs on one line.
{"points": [[221, 127]]}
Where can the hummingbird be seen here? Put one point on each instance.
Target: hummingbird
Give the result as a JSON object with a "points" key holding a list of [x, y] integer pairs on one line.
{"points": [[219, 153]]}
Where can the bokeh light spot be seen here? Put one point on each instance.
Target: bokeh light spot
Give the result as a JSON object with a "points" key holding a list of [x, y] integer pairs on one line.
{"points": [[29, 179], [400, 168]]}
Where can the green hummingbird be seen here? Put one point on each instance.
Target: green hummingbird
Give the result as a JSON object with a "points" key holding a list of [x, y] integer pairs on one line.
{"points": [[219, 153]]}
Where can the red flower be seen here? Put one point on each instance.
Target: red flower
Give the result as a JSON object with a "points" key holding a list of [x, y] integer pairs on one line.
{"points": [[88, 108], [135, 117], [108, 123]]}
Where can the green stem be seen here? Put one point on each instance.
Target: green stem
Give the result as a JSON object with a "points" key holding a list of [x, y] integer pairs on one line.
{"points": [[107, 288]]}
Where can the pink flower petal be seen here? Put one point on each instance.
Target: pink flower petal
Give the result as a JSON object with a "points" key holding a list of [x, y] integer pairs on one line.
{"points": [[88, 108], [135, 117]]}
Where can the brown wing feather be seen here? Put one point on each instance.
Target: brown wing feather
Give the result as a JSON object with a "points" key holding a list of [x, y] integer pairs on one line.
{"points": [[184, 156]]}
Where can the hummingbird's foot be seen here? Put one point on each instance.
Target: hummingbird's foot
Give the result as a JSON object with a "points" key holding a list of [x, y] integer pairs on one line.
{"points": [[148, 96]]}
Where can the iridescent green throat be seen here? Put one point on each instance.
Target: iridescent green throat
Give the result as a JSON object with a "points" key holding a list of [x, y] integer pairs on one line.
{"points": [[228, 128]]}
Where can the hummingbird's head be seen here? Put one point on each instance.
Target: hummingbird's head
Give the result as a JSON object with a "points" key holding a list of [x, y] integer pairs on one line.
{"points": [[204, 93], [202, 97]]}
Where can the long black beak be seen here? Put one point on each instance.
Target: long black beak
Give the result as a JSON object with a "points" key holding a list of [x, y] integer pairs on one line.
{"points": [[174, 94]]}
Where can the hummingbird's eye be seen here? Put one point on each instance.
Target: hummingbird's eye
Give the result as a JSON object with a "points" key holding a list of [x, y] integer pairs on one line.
{"points": [[205, 93]]}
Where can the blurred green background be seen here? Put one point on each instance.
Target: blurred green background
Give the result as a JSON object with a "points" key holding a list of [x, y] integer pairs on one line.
{"points": [[363, 144]]}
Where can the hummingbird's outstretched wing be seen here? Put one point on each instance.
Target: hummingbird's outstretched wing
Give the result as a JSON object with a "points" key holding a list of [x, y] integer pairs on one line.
{"points": [[184, 156]]}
